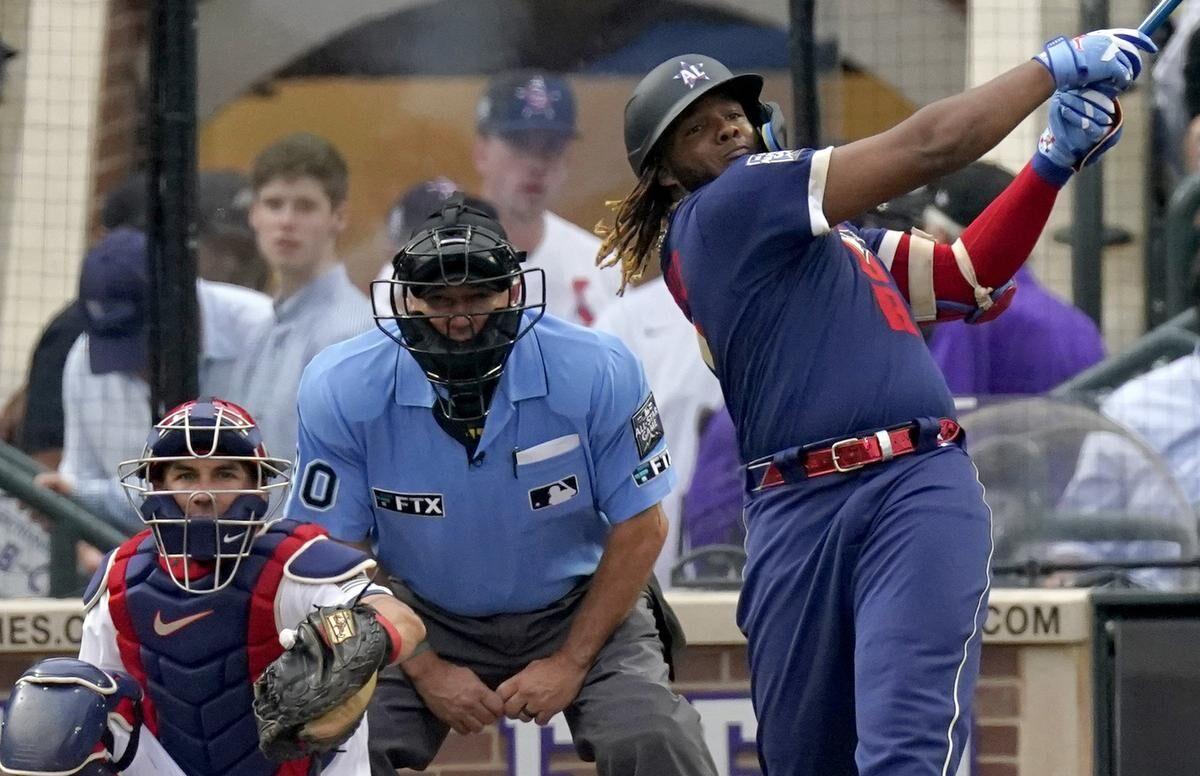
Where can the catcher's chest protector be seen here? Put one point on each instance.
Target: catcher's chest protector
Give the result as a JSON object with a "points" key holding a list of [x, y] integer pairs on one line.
{"points": [[197, 655]]}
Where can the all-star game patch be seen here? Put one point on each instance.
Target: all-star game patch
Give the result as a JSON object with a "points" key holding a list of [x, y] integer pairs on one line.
{"points": [[555, 493], [647, 426], [650, 469]]}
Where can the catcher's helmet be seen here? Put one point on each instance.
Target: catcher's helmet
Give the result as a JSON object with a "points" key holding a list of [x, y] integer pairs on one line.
{"points": [[671, 88], [460, 246], [202, 553], [57, 720]]}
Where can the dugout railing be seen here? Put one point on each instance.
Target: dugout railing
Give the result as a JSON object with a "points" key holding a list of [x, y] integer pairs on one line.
{"points": [[69, 521]]}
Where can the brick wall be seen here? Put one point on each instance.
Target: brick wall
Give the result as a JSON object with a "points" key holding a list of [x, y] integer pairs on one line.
{"points": [[121, 120], [997, 711], [708, 669]]}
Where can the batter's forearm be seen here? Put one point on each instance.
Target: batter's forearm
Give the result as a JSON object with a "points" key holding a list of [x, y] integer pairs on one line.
{"points": [[935, 141], [955, 131], [623, 573]]}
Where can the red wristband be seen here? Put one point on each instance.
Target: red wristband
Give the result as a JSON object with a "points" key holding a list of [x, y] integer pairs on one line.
{"points": [[394, 636]]}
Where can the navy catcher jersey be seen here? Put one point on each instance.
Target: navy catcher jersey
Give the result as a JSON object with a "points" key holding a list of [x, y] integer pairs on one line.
{"points": [[807, 332]]}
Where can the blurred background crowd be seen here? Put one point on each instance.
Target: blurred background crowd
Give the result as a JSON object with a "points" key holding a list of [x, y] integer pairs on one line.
{"points": [[323, 142]]}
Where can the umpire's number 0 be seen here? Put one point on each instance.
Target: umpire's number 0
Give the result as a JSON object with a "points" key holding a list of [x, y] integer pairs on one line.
{"points": [[320, 485]]}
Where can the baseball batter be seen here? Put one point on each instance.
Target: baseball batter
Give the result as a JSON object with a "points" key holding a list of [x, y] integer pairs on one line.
{"points": [[868, 537]]}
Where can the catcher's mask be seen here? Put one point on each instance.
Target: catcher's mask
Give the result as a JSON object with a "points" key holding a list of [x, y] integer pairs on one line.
{"points": [[458, 250], [202, 544]]}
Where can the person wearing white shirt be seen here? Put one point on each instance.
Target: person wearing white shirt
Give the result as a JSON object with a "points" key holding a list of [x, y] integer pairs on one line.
{"points": [[1163, 408], [526, 126], [688, 393]]}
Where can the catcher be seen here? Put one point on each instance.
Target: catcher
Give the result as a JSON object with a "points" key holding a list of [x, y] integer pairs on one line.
{"points": [[254, 644]]}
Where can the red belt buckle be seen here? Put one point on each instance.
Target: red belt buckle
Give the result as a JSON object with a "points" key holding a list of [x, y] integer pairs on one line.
{"points": [[837, 465]]}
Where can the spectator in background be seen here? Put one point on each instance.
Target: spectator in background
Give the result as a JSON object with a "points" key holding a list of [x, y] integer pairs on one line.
{"points": [[106, 396], [1176, 87], [686, 390], [1039, 342], [226, 250], [526, 125], [406, 214], [225, 253], [1163, 407], [300, 184]]}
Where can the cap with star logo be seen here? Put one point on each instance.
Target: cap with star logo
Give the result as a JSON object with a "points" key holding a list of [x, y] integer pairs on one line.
{"points": [[524, 101]]}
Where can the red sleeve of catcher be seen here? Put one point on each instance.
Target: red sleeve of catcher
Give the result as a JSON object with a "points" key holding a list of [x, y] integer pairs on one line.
{"points": [[998, 241]]}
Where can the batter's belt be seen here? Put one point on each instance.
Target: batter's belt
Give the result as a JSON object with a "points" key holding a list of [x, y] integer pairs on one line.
{"points": [[850, 454]]}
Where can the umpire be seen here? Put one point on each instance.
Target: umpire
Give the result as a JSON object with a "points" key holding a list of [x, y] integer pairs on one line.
{"points": [[506, 468]]}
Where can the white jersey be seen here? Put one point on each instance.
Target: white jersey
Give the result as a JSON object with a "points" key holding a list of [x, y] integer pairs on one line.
{"points": [[576, 289], [648, 321], [293, 601]]}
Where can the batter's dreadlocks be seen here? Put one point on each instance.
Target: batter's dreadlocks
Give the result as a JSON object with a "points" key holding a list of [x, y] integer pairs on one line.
{"points": [[639, 225]]}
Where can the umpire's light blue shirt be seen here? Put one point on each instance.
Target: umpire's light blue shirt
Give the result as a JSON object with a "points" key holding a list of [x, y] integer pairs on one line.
{"points": [[571, 447]]}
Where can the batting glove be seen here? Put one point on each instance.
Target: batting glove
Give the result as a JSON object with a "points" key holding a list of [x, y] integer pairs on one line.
{"points": [[1084, 124], [1105, 59]]}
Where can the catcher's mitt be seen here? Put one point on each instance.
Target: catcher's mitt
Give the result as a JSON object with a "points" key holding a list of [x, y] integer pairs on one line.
{"points": [[312, 697]]}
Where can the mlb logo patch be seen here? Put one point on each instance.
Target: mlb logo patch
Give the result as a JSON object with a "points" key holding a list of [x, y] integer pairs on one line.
{"points": [[652, 468], [647, 426], [555, 493]]}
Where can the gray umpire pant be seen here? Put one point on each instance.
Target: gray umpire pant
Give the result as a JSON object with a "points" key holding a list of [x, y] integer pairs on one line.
{"points": [[626, 718]]}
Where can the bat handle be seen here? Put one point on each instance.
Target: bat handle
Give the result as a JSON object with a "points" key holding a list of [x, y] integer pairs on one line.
{"points": [[1158, 16]]}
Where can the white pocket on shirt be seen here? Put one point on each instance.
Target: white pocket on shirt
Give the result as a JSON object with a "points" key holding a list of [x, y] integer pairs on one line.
{"points": [[544, 451]]}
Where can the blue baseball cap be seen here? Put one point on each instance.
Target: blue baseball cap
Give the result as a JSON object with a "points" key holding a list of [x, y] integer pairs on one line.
{"points": [[526, 101], [114, 286]]}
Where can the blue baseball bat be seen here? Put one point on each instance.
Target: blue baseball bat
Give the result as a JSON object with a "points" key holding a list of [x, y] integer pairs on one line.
{"points": [[1158, 16]]}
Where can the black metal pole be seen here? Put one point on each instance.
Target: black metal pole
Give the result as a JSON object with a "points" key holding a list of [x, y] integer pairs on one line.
{"points": [[806, 103], [1087, 224], [174, 335]]}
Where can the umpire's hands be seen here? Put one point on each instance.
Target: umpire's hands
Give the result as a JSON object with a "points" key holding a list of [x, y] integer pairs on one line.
{"points": [[542, 689], [453, 693]]}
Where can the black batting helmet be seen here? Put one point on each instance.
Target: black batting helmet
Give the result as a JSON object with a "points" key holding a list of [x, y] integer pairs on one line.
{"points": [[669, 89]]}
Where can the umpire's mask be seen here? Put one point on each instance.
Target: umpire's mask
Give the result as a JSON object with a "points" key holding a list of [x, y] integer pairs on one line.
{"points": [[459, 300]]}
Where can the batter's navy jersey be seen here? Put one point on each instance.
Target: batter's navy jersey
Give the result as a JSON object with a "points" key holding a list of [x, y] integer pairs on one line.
{"points": [[572, 445], [808, 334]]}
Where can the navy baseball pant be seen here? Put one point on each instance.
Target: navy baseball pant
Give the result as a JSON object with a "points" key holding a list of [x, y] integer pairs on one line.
{"points": [[863, 607]]}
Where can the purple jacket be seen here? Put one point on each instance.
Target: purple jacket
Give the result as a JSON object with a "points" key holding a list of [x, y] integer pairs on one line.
{"points": [[1039, 342], [712, 506]]}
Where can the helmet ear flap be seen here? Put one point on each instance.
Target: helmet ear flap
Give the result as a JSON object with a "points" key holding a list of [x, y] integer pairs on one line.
{"points": [[772, 128]]}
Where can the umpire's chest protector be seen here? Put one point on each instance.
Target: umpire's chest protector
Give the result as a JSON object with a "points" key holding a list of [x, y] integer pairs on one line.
{"points": [[197, 655]]}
